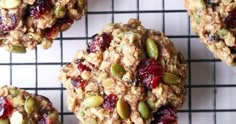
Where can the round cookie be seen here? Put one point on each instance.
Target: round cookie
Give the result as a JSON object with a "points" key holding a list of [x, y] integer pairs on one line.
{"points": [[19, 107], [214, 22], [27, 23], [128, 74]]}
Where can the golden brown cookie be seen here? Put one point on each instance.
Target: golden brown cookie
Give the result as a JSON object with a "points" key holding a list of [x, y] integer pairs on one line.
{"points": [[214, 22], [19, 107], [26, 23], [128, 74]]}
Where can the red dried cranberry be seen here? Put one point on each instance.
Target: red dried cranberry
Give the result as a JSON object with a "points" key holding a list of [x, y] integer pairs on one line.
{"points": [[66, 20], [45, 120], [39, 8], [164, 115], [52, 32], [81, 66], [150, 73], [214, 37], [233, 49], [5, 108], [11, 25], [110, 101], [79, 82], [230, 21], [100, 42]]}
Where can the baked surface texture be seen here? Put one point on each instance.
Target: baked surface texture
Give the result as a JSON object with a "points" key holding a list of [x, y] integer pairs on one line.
{"points": [[128, 74], [26, 23], [20, 107], [214, 22]]}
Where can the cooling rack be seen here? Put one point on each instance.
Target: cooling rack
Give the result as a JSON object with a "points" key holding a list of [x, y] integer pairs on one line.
{"points": [[211, 85]]}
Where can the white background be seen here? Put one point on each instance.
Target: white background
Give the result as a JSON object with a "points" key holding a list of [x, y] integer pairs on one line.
{"points": [[209, 81]]}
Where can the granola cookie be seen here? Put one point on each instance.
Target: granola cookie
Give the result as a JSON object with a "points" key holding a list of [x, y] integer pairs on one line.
{"points": [[19, 107], [214, 22], [27, 23], [127, 75]]}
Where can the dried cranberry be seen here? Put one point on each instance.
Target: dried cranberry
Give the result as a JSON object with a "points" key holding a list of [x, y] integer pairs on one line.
{"points": [[233, 49], [164, 115], [100, 42], [213, 37], [234, 60], [66, 20], [45, 120], [52, 32], [81, 66], [39, 8], [213, 3], [230, 21], [5, 108], [110, 101], [79, 82], [150, 73], [12, 24]]}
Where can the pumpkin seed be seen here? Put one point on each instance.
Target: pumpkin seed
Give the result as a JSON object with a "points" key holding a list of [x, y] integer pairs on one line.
{"points": [[30, 104], [90, 121], [222, 32], [143, 109], [18, 49], [196, 18], [60, 11], [152, 49], [5, 121], [93, 101], [170, 78], [151, 104], [14, 92], [117, 70], [123, 109]]}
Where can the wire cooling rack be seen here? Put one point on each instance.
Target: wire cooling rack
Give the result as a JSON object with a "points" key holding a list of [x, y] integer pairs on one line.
{"points": [[211, 85]]}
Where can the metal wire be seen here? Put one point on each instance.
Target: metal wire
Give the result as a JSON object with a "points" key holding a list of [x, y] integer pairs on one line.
{"points": [[189, 61]]}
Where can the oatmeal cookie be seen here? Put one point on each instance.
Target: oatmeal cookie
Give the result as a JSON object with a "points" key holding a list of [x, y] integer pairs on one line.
{"points": [[128, 74], [214, 22], [19, 107], [27, 23]]}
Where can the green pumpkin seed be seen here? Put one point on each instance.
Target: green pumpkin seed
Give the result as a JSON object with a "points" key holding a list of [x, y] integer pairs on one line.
{"points": [[121, 35], [200, 5], [90, 121], [93, 101], [5, 121], [222, 32], [14, 92], [169, 78], [196, 18], [25, 122], [30, 104], [123, 109], [117, 70], [152, 49], [18, 49], [151, 104], [143, 110], [60, 12]]}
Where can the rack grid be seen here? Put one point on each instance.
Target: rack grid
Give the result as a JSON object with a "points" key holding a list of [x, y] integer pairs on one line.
{"points": [[210, 85]]}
